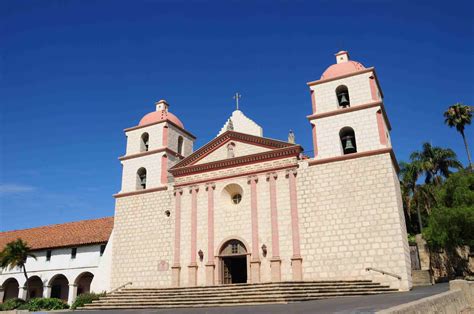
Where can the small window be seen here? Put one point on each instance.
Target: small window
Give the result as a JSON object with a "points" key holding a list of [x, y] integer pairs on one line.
{"points": [[348, 140], [144, 142], [342, 94], [48, 255], [141, 179], [102, 249], [73, 252], [236, 198], [180, 145], [234, 248]]}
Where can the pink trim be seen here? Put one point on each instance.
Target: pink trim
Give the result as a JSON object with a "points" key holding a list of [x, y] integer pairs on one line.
{"points": [[315, 140], [253, 207], [164, 169], [194, 191], [235, 175], [373, 88], [295, 228], [210, 222], [381, 127], [313, 101], [165, 135], [177, 228], [167, 121], [161, 188], [274, 216], [339, 77], [150, 152]]}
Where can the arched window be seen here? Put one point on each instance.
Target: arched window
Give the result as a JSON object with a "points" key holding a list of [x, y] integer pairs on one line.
{"points": [[141, 179], [342, 94], [144, 142], [231, 150], [348, 140], [180, 145]]}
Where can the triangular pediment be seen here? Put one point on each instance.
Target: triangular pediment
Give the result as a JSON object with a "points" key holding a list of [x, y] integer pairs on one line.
{"points": [[242, 145]]}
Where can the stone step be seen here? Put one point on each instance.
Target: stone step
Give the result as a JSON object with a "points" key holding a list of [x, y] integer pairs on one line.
{"points": [[269, 291]]}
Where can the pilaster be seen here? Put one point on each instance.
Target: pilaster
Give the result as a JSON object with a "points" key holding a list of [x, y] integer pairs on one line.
{"points": [[275, 261], [296, 259], [192, 267], [176, 268], [255, 259], [210, 266]]}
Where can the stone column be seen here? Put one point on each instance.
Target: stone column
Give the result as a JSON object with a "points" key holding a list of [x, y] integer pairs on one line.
{"points": [[47, 292], [22, 292], [210, 266], [296, 259], [72, 294], [255, 260], [275, 261], [176, 268], [193, 265]]}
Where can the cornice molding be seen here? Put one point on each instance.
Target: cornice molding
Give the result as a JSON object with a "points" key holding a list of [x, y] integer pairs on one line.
{"points": [[151, 152], [161, 188], [293, 150], [226, 137], [158, 122], [317, 82]]}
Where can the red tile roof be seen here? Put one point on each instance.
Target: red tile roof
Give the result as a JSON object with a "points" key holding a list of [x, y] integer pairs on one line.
{"points": [[62, 235]]}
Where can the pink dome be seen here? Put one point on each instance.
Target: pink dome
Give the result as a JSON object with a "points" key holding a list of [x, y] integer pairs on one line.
{"points": [[161, 115], [342, 68]]}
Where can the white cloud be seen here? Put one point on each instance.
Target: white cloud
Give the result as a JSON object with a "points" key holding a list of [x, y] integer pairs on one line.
{"points": [[11, 188]]}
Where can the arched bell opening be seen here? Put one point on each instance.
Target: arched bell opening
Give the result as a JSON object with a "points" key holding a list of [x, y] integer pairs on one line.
{"points": [[233, 262], [10, 289], [348, 140], [141, 179], [59, 287], [342, 93], [35, 287], [83, 282], [144, 142]]}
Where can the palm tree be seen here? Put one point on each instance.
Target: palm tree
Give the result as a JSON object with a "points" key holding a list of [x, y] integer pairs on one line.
{"points": [[436, 162], [459, 116], [14, 255], [409, 173]]}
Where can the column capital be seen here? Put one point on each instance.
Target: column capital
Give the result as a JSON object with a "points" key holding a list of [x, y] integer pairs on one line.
{"points": [[292, 171], [252, 179], [210, 185], [270, 175], [178, 191], [194, 188]]}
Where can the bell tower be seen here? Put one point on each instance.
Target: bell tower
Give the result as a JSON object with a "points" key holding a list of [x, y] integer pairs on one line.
{"points": [[153, 146], [348, 114]]}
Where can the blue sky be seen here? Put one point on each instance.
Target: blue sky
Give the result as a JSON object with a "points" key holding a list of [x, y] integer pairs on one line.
{"points": [[74, 74]]}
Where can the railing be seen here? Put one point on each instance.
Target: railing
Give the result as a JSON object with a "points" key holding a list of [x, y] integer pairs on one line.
{"points": [[122, 286], [383, 272]]}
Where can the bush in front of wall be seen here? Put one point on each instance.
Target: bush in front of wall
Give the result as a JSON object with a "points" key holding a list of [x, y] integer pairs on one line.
{"points": [[86, 298], [11, 304], [45, 304]]}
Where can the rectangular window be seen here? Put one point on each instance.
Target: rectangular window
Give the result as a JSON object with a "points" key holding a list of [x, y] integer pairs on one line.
{"points": [[73, 252], [102, 249], [48, 255]]}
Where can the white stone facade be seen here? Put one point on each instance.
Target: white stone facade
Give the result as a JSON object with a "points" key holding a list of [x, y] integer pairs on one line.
{"points": [[330, 217]]}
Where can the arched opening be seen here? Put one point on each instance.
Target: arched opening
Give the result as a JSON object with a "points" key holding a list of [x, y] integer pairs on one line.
{"points": [[59, 287], [231, 150], [141, 179], [342, 94], [35, 287], [83, 282], [144, 142], [233, 259], [10, 289], [348, 140], [180, 145], [232, 194]]}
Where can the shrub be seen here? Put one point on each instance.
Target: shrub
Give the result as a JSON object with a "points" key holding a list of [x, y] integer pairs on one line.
{"points": [[11, 304], [46, 304], [86, 298]]}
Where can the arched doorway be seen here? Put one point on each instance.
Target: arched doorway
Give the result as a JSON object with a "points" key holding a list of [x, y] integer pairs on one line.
{"points": [[10, 289], [35, 287], [83, 282], [59, 287], [233, 262]]}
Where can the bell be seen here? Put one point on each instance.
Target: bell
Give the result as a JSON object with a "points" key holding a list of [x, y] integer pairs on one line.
{"points": [[143, 179], [349, 147], [343, 101]]}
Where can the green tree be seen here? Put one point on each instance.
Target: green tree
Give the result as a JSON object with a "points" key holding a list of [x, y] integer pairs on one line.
{"points": [[14, 255], [409, 174], [436, 162], [459, 116]]}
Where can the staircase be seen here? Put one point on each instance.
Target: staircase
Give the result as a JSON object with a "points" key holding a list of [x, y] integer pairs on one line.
{"points": [[235, 294]]}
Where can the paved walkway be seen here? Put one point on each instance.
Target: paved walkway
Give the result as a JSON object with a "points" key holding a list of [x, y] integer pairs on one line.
{"points": [[343, 305]]}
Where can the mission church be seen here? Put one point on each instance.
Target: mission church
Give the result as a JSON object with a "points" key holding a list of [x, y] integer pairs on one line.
{"points": [[244, 208]]}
